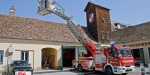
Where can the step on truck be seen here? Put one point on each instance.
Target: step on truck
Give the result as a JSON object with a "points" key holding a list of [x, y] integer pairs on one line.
{"points": [[110, 60]]}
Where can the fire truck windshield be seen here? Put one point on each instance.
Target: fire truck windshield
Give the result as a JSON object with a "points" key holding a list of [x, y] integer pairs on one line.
{"points": [[124, 52]]}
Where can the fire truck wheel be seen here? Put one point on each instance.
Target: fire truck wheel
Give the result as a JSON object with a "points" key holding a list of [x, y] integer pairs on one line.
{"points": [[124, 74], [80, 68], [74, 67], [108, 71]]}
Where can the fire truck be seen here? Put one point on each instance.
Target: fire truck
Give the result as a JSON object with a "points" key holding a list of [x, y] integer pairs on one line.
{"points": [[111, 60]]}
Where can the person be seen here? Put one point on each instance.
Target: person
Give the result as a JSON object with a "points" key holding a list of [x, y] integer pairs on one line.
{"points": [[39, 4]]}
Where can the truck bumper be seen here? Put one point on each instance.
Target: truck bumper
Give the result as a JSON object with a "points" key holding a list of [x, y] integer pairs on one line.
{"points": [[121, 70], [23, 73]]}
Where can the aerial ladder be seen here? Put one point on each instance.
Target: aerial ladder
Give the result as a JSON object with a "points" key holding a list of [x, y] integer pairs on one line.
{"points": [[111, 60], [73, 27]]}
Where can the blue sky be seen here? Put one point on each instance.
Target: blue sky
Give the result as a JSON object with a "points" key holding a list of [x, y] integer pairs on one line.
{"points": [[125, 11]]}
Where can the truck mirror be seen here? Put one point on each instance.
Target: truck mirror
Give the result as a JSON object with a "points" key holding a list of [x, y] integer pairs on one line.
{"points": [[29, 64]]}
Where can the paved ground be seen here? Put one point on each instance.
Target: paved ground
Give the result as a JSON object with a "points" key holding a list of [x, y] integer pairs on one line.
{"points": [[138, 71], [58, 72], [64, 72]]}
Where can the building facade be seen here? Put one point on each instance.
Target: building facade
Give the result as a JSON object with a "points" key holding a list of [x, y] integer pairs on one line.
{"points": [[47, 44]]}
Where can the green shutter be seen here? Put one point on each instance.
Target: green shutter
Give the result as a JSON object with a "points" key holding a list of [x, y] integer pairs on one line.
{"points": [[142, 56]]}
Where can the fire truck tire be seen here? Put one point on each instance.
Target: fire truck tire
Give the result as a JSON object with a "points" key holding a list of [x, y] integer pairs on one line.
{"points": [[74, 67], [80, 69], [108, 71], [124, 74], [93, 68]]}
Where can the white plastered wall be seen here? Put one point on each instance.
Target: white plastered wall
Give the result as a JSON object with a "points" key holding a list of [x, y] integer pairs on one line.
{"points": [[34, 48]]}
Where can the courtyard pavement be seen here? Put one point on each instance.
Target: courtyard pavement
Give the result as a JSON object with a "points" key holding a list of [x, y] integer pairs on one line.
{"points": [[74, 72]]}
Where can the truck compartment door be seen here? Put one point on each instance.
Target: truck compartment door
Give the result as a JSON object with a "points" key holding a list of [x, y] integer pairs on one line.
{"points": [[98, 57]]}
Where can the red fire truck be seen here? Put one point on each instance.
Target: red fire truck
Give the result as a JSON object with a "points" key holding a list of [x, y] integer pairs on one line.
{"points": [[111, 60]]}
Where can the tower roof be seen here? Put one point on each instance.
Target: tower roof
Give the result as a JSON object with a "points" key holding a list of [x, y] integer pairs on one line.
{"points": [[90, 3]]}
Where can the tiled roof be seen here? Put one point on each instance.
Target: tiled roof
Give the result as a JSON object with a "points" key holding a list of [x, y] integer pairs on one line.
{"points": [[113, 23], [114, 27], [132, 33], [34, 29]]}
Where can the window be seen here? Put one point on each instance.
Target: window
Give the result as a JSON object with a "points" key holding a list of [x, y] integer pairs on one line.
{"points": [[104, 20], [1, 56], [107, 35], [81, 52], [102, 34], [112, 53], [25, 55], [124, 52], [20, 63]]}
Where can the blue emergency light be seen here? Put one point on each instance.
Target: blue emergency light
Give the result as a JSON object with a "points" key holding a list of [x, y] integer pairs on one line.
{"points": [[124, 45], [112, 45]]}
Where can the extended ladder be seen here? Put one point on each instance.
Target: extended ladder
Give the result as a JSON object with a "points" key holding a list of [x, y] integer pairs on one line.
{"points": [[71, 25], [48, 6]]}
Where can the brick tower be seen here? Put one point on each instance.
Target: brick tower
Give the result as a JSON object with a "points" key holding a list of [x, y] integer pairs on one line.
{"points": [[98, 22]]}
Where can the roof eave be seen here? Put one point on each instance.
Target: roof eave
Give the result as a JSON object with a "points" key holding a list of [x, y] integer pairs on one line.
{"points": [[94, 5]]}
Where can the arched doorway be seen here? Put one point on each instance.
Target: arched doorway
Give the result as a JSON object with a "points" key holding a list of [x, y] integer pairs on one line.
{"points": [[49, 58]]}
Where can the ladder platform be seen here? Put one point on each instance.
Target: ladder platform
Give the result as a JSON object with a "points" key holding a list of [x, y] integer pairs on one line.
{"points": [[44, 12]]}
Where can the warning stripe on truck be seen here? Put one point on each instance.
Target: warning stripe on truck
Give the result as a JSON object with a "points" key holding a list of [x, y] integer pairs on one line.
{"points": [[98, 65], [83, 63]]}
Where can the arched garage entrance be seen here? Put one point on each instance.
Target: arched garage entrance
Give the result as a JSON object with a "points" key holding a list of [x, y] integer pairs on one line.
{"points": [[49, 58]]}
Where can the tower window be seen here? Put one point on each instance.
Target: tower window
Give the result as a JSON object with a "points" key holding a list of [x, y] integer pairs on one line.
{"points": [[108, 37], [104, 20], [102, 35]]}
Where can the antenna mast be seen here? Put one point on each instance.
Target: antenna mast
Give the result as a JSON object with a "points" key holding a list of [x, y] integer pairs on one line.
{"points": [[91, 1]]}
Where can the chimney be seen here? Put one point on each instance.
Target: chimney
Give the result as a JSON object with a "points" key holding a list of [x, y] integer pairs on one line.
{"points": [[12, 11]]}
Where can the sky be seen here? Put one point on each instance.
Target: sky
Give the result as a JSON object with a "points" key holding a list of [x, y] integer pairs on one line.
{"points": [[131, 12]]}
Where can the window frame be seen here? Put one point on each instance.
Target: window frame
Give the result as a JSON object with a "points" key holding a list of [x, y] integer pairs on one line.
{"points": [[108, 36], [102, 35], [82, 51], [114, 51], [1, 50], [21, 55]]}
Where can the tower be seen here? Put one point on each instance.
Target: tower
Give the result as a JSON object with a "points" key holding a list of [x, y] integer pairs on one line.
{"points": [[98, 22]]}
